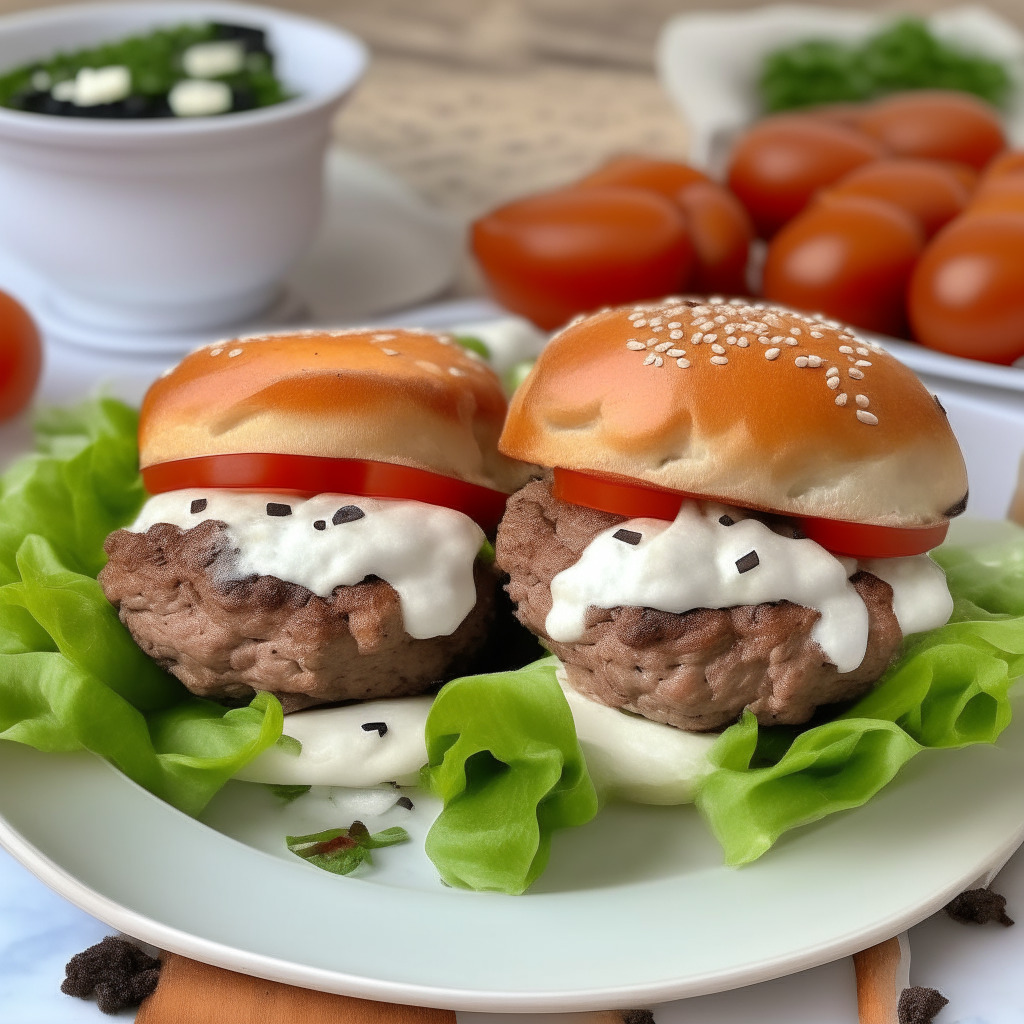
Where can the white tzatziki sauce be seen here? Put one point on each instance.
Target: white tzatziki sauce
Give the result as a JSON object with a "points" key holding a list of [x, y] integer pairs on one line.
{"points": [[424, 551], [716, 556]]}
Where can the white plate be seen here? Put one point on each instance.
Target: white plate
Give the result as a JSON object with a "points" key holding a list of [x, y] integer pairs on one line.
{"points": [[379, 248], [634, 909]]}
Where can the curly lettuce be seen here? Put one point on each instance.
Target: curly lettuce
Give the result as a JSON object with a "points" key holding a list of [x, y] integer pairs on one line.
{"points": [[71, 677], [948, 689], [504, 758]]}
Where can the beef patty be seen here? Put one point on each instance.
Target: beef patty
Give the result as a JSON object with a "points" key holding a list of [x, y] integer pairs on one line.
{"points": [[225, 637], [697, 670]]}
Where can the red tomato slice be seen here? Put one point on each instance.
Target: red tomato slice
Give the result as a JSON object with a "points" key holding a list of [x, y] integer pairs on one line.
{"points": [[626, 498], [311, 474]]}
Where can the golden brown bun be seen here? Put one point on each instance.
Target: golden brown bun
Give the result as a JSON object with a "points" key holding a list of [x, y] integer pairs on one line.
{"points": [[617, 393], [398, 396]]}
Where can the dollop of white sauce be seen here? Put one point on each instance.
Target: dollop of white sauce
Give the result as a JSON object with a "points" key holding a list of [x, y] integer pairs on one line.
{"points": [[920, 595], [715, 556], [628, 757], [424, 551], [338, 751]]}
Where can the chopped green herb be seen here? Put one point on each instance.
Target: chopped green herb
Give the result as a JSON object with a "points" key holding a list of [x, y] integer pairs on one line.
{"points": [[342, 850], [905, 55], [474, 345], [288, 793], [515, 375], [486, 553]]}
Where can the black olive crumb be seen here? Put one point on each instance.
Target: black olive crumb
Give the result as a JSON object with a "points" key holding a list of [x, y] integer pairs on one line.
{"points": [[726, 520], [918, 1005], [637, 1017], [276, 508], [197, 506], [628, 536], [117, 972], [979, 906], [404, 801], [747, 562], [348, 514], [380, 728]]}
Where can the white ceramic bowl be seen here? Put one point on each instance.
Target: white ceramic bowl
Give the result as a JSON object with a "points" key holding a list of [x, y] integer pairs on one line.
{"points": [[170, 224]]}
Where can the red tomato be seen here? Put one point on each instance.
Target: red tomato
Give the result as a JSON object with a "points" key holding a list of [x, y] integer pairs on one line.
{"points": [[720, 230], [967, 293], [926, 189], [551, 256], [21, 357], [849, 257], [664, 176], [625, 497], [311, 474], [1010, 163], [1002, 194], [782, 161], [937, 125]]}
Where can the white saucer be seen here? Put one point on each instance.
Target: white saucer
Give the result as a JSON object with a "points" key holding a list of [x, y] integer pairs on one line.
{"points": [[379, 248]]}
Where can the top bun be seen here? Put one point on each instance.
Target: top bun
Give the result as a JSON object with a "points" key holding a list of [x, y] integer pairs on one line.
{"points": [[758, 406], [399, 396]]}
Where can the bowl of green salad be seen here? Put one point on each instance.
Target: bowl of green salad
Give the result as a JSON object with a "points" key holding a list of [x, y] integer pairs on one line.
{"points": [[161, 163]]}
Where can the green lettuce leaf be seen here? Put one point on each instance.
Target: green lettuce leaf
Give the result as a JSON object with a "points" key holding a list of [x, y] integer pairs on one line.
{"points": [[949, 688], [71, 677], [504, 758]]}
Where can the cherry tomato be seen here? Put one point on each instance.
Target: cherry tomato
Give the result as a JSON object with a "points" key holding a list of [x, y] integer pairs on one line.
{"points": [[311, 474], [720, 230], [21, 357], [967, 294], [625, 497], [936, 124], [1001, 194], [782, 161], [551, 256], [850, 257], [926, 189], [1010, 163], [664, 176]]}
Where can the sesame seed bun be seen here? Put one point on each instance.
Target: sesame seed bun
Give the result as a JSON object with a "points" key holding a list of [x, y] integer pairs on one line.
{"points": [[404, 397], [755, 405]]}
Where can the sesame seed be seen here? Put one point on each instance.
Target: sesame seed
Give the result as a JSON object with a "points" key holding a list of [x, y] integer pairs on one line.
{"points": [[795, 330], [832, 371], [730, 341], [389, 352], [814, 361], [856, 374], [731, 328], [708, 338], [832, 382], [653, 360], [657, 328], [455, 371], [791, 341], [655, 321], [863, 351], [216, 351], [867, 417], [634, 316], [817, 334], [801, 361], [862, 400], [841, 398], [639, 323], [675, 325], [773, 353], [383, 337], [674, 353], [719, 360], [721, 319], [744, 342], [718, 350], [636, 346], [663, 347], [234, 352], [697, 338], [682, 363], [862, 362], [846, 350]]}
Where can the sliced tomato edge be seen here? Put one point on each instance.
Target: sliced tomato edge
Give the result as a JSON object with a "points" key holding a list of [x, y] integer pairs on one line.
{"points": [[314, 474], [622, 496]]}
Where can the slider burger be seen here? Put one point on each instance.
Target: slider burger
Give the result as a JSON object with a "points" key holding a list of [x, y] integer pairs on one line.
{"points": [[319, 505], [736, 515]]}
